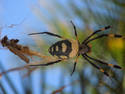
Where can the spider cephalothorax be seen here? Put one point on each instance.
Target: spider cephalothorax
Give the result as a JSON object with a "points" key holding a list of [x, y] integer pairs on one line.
{"points": [[68, 48], [84, 49]]}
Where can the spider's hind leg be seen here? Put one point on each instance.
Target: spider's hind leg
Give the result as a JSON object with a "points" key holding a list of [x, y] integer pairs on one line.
{"points": [[47, 64], [48, 33]]}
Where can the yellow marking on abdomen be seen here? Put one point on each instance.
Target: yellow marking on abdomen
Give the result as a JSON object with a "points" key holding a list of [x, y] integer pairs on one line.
{"points": [[64, 47], [57, 48], [75, 48], [63, 57], [52, 49]]}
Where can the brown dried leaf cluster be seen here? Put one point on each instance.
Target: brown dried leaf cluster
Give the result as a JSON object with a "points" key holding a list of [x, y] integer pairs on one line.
{"points": [[23, 52], [18, 49]]}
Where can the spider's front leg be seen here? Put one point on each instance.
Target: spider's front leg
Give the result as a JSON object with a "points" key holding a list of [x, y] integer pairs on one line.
{"points": [[94, 65], [105, 35], [97, 31]]}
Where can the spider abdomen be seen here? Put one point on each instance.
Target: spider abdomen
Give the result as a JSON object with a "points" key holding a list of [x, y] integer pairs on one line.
{"points": [[64, 49]]}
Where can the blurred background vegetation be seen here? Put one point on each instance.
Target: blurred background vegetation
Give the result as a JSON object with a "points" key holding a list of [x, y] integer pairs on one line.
{"points": [[55, 16]]}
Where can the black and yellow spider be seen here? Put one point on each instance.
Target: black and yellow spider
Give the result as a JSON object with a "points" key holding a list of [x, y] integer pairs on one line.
{"points": [[69, 48]]}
